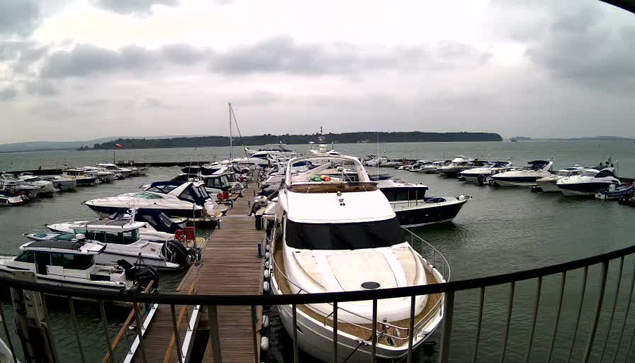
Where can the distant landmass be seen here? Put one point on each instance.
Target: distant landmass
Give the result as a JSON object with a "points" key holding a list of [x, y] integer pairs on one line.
{"points": [[343, 138], [49, 145], [520, 138], [596, 138]]}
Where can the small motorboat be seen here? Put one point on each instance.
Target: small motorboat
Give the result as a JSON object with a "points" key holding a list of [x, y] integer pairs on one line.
{"points": [[548, 183], [124, 172], [8, 199], [433, 167], [615, 192], [10, 184], [46, 188], [60, 183], [414, 209], [104, 175], [81, 177], [588, 183], [123, 241], [72, 264]]}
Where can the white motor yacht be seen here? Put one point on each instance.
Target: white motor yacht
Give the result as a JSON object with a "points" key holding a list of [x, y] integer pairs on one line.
{"points": [[525, 177], [124, 172], [479, 175], [72, 264], [337, 235], [588, 183], [104, 175], [459, 164], [433, 167], [61, 183], [123, 241], [46, 187], [176, 199], [548, 183]]}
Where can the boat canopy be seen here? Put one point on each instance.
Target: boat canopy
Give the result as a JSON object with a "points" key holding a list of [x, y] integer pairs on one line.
{"points": [[56, 246], [538, 164], [190, 191], [605, 173], [343, 236]]}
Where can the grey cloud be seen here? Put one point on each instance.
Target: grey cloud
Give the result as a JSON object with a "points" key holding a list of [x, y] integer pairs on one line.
{"points": [[183, 54], [41, 88], [283, 54], [8, 93], [585, 47], [86, 60], [139, 7], [18, 16]]}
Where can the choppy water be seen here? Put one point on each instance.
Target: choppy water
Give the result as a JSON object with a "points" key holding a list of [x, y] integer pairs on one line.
{"points": [[500, 230]]}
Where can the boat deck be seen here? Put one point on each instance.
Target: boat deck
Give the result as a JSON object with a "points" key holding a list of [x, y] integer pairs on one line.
{"points": [[229, 266]]}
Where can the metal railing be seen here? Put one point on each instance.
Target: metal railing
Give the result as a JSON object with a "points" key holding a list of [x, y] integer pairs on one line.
{"points": [[449, 289]]}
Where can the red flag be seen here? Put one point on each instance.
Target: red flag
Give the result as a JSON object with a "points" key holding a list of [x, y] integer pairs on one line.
{"points": [[118, 145]]}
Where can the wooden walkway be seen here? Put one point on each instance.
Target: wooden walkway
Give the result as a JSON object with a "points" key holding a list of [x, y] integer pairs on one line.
{"points": [[229, 266]]}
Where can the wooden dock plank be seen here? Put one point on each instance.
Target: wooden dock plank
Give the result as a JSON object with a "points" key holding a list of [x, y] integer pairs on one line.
{"points": [[229, 266]]}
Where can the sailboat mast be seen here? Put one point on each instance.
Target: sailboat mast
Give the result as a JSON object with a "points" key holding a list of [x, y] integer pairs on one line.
{"points": [[231, 140]]}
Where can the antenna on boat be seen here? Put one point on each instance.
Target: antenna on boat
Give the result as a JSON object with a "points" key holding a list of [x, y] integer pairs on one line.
{"points": [[231, 139], [232, 115]]}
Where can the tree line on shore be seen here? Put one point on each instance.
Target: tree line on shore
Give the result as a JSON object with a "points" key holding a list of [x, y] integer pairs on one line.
{"points": [[340, 138]]}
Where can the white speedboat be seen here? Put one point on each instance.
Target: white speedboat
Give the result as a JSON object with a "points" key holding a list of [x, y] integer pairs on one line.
{"points": [[588, 183], [11, 185], [72, 264], [525, 177], [176, 199], [414, 209], [433, 167], [124, 172], [104, 175], [9, 199], [479, 175], [548, 183], [46, 187], [122, 240], [336, 235]]}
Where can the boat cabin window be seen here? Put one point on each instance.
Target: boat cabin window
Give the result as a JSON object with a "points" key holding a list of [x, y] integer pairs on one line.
{"points": [[343, 236], [589, 173], [404, 194], [25, 256], [216, 183], [71, 261], [605, 173], [121, 238]]}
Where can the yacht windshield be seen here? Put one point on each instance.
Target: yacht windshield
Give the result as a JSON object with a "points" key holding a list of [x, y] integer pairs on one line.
{"points": [[148, 196], [343, 236]]}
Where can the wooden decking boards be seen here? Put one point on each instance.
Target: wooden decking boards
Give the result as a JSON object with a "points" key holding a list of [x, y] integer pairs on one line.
{"points": [[229, 266]]}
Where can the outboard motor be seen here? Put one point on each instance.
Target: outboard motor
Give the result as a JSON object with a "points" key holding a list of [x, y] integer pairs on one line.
{"points": [[177, 253], [140, 275]]}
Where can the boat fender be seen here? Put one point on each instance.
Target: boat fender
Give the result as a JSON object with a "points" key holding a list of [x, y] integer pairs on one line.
{"points": [[265, 286], [265, 321], [267, 255], [266, 274], [264, 343]]}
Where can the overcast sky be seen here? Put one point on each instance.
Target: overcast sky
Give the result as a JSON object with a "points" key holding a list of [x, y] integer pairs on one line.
{"points": [[84, 69]]}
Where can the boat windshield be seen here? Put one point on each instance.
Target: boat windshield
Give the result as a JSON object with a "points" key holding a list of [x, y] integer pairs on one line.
{"points": [[343, 236], [148, 196], [589, 173]]}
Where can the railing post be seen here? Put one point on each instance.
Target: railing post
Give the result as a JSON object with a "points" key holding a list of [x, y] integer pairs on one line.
{"points": [[76, 328], [104, 321], [555, 329], [139, 325], [254, 332], [628, 305], [617, 295], [214, 336], [447, 327], [598, 311], [533, 323], [373, 357], [577, 319], [335, 359], [510, 307], [6, 333], [177, 338], [296, 353], [479, 320], [411, 327]]}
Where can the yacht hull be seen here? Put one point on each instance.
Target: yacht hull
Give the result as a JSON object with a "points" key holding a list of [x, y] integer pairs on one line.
{"points": [[428, 213], [582, 189], [109, 210], [515, 182]]}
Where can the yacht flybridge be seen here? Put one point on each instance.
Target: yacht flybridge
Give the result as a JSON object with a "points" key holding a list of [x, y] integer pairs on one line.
{"points": [[338, 232]]}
